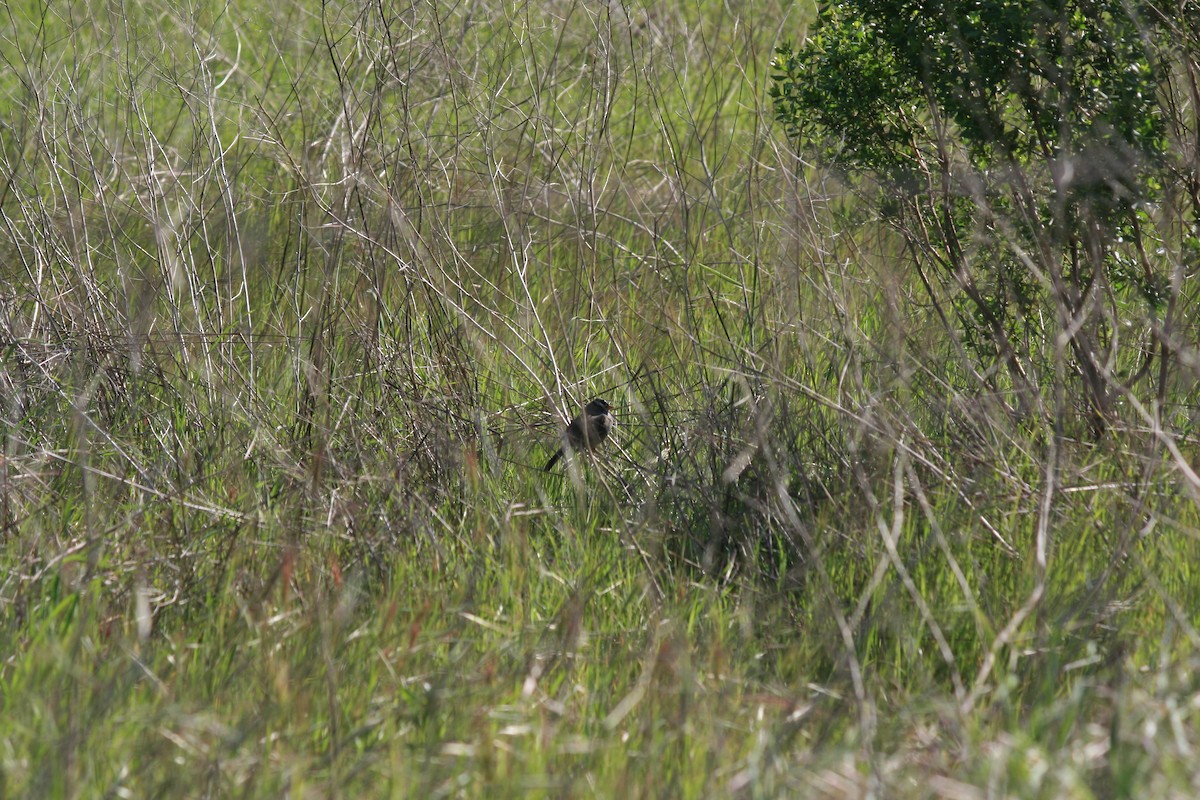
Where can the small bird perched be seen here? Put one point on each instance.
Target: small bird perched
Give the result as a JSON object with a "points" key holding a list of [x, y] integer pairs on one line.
{"points": [[586, 431]]}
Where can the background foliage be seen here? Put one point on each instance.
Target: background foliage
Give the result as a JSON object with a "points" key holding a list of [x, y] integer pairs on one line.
{"points": [[1024, 151]]}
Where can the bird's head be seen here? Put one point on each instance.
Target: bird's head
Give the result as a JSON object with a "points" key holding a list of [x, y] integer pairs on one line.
{"points": [[598, 408]]}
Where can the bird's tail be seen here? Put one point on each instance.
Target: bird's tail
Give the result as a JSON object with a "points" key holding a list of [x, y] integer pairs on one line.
{"points": [[553, 460]]}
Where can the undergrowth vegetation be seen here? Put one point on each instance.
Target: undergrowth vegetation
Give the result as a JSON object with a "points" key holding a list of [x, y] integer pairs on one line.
{"points": [[296, 298]]}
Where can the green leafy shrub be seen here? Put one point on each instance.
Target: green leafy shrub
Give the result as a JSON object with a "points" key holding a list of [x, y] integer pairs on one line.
{"points": [[1017, 146]]}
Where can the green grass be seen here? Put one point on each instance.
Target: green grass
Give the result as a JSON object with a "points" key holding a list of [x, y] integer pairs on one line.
{"points": [[294, 301]]}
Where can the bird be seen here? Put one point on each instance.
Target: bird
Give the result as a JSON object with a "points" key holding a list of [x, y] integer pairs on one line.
{"points": [[585, 431]]}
